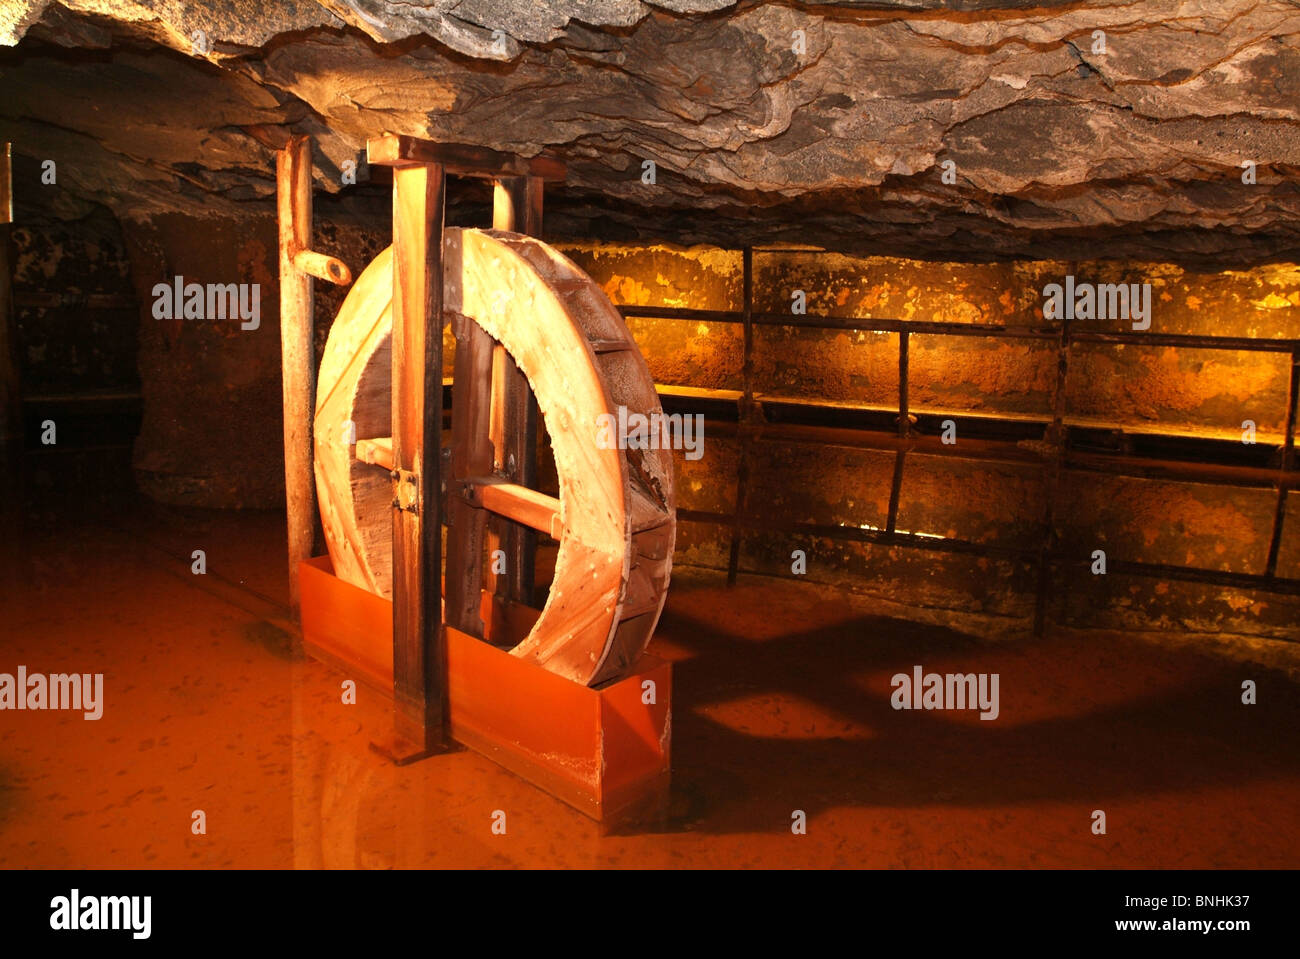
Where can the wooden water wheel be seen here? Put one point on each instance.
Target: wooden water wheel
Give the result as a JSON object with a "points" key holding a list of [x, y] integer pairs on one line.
{"points": [[614, 518]]}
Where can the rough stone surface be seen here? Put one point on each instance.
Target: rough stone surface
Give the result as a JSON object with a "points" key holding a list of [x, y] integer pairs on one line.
{"points": [[1057, 148]]}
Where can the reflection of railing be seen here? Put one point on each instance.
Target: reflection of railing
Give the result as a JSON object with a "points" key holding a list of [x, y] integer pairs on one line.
{"points": [[1237, 465]]}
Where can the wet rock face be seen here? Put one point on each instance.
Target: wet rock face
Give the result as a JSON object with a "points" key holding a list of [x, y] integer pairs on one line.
{"points": [[960, 129]]}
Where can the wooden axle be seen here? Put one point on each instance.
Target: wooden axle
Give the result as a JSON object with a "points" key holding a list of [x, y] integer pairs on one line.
{"points": [[323, 267]]}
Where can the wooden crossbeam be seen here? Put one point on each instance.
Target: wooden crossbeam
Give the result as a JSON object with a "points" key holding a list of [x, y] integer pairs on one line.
{"points": [[462, 159]]}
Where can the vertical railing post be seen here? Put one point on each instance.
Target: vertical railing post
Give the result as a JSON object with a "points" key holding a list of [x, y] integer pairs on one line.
{"points": [[904, 373], [1285, 455], [748, 414]]}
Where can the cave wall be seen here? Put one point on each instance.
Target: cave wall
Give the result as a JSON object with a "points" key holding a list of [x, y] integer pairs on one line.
{"points": [[76, 341], [1137, 390], [1146, 389]]}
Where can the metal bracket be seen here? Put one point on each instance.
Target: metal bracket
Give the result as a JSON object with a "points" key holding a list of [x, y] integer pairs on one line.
{"points": [[407, 492]]}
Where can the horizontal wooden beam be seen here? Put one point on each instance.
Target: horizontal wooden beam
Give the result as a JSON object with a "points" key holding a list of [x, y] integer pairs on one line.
{"points": [[519, 503], [459, 158]]}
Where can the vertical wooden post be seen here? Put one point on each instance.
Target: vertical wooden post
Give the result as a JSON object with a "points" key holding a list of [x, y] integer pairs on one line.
{"points": [[13, 514], [11, 412], [297, 353], [419, 658], [517, 207]]}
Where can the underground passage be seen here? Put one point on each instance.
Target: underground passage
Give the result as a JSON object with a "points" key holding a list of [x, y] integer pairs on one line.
{"points": [[649, 434]]}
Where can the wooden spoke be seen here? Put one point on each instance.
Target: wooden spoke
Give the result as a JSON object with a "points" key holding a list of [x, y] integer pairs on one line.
{"points": [[519, 503], [378, 451]]}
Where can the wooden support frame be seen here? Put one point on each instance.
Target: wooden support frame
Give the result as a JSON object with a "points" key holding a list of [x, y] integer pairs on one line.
{"points": [[494, 432], [517, 207], [460, 159], [491, 440], [419, 653], [297, 355], [298, 264]]}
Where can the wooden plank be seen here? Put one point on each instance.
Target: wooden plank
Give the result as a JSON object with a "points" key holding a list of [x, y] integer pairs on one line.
{"points": [[297, 354], [460, 158], [497, 528], [471, 455], [419, 674], [517, 207]]}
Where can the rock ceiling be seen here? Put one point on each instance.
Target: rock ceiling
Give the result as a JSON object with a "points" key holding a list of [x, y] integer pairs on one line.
{"points": [[827, 124]]}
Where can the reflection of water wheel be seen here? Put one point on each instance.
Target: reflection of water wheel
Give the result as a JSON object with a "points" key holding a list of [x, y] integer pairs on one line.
{"points": [[614, 518]]}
